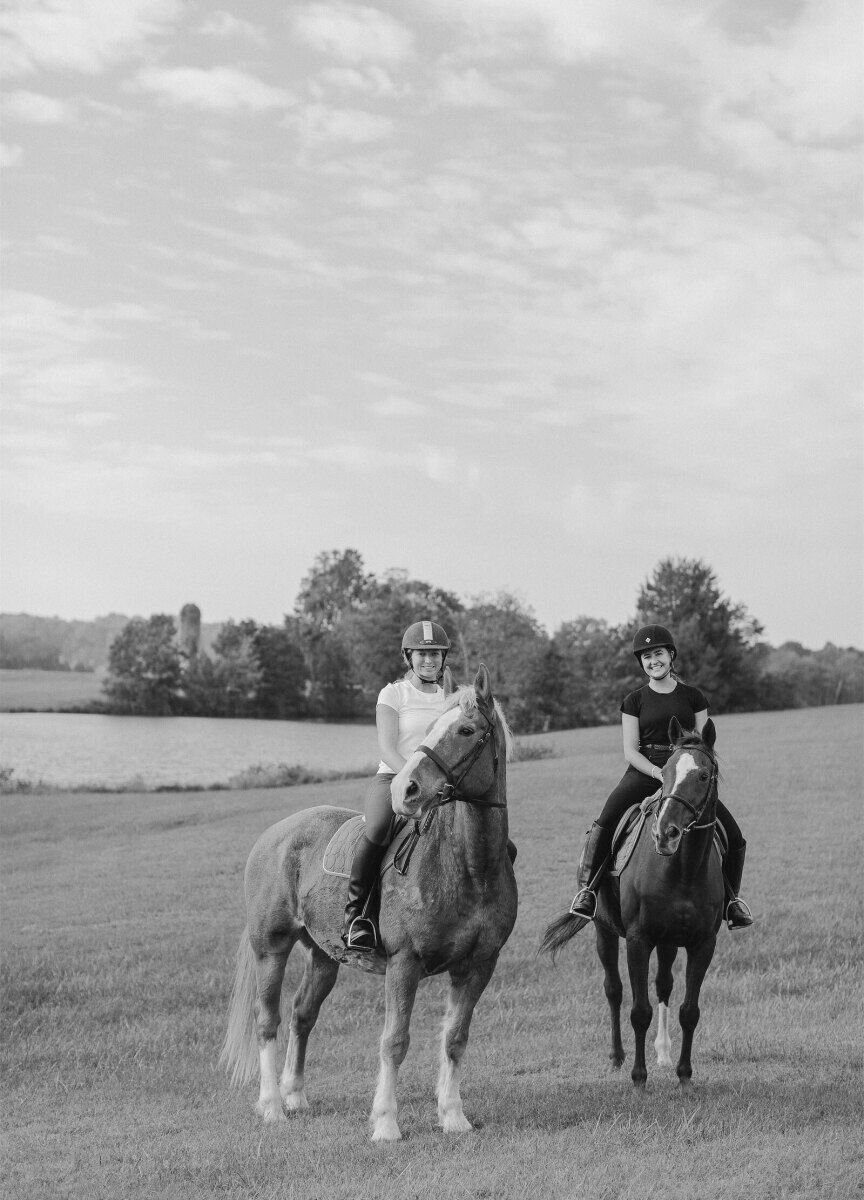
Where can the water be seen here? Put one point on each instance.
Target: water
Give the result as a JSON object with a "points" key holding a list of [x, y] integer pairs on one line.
{"points": [[69, 749]]}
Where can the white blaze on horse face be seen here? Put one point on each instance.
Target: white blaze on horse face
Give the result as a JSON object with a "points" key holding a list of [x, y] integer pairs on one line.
{"points": [[685, 766], [432, 739]]}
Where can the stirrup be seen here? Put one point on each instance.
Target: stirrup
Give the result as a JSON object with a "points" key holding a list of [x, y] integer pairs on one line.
{"points": [[574, 912], [362, 934], [746, 914]]}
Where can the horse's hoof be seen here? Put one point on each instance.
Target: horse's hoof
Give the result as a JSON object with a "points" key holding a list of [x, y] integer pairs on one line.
{"points": [[639, 1081], [295, 1102], [386, 1130], [455, 1122], [617, 1061], [271, 1112]]}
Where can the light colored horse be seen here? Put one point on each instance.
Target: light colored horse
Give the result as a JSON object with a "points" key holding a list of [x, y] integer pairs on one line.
{"points": [[452, 910]]}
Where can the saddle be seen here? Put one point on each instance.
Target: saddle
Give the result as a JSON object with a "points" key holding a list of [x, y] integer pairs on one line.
{"points": [[629, 829], [339, 852]]}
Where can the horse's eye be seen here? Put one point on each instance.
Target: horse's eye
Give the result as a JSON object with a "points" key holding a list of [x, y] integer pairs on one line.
{"points": [[466, 730], [703, 775]]}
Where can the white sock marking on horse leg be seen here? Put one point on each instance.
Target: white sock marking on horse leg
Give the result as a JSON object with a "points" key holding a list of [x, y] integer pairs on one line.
{"points": [[385, 1127], [450, 1114], [269, 1104], [663, 1042], [292, 1087]]}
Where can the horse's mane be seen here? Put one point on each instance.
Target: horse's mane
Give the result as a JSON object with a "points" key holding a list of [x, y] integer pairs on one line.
{"points": [[466, 697]]}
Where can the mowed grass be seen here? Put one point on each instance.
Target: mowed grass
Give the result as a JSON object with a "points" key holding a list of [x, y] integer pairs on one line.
{"points": [[47, 691], [120, 920]]}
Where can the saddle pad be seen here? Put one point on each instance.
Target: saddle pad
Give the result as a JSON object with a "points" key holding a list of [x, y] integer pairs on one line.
{"points": [[340, 848]]}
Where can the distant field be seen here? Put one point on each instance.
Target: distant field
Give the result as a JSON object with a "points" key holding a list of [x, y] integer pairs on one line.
{"points": [[121, 916], [42, 691]]}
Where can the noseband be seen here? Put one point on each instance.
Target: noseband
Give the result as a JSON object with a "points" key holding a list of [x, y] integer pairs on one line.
{"points": [[450, 790], [697, 812]]}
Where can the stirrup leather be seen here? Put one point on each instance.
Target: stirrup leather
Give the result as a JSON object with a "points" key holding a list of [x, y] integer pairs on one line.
{"points": [[747, 913], [585, 891], [365, 931]]}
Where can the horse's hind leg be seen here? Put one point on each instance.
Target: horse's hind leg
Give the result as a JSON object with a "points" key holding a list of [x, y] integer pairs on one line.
{"points": [[607, 950], [663, 983], [319, 976], [270, 972], [465, 990], [698, 962], [400, 988]]}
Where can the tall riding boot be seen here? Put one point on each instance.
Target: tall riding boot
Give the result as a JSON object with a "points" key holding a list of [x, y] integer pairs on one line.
{"points": [[360, 932], [738, 915], [592, 864]]}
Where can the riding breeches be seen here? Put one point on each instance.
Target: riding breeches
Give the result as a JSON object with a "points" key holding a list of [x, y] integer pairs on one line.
{"points": [[634, 787], [379, 809]]}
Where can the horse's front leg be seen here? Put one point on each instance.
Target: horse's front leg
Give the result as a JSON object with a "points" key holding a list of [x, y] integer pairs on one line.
{"points": [[666, 954], [319, 975], [607, 951], [400, 988], [466, 988], [638, 957], [698, 962]]}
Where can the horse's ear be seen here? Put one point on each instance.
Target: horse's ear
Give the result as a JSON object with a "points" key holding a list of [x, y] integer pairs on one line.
{"points": [[709, 734], [447, 682], [675, 731], [483, 686]]}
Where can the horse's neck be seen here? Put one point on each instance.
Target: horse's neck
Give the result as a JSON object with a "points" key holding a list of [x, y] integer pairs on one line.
{"points": [[474, 835]]}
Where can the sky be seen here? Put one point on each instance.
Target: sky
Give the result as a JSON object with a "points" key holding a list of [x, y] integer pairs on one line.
{"points": [[520, 295]]}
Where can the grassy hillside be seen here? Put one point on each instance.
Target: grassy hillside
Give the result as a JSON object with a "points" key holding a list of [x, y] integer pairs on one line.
{"points": [[120, 921], [48, 691]]}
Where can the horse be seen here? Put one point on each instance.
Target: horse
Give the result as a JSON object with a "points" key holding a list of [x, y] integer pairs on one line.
{"points": [[669, 895], [450, 909]]}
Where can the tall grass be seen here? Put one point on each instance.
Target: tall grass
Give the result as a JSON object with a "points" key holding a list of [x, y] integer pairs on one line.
{"points": [[120, 921]]}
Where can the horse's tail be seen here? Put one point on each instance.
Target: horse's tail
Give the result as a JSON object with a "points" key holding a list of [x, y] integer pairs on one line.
{"points": [[240, 1048], [559, 932]]}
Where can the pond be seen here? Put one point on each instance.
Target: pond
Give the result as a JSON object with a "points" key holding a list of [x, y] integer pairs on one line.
{"points": [[71, 749]]}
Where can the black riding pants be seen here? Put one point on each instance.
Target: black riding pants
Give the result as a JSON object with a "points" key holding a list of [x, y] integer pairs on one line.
{"points": [[634, 787]]}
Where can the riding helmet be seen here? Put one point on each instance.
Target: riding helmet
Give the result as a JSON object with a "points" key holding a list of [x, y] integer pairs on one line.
{"points": [[424, 635], [649, 637]]}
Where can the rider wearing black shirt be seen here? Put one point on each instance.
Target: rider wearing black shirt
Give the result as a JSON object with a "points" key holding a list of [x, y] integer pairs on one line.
{"points": [[645, 717]]}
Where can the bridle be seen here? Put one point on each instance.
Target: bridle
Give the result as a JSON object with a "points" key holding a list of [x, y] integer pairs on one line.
{"points": [[450, 790], [710, 792]]}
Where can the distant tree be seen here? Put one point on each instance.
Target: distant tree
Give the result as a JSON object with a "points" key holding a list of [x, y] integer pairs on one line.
{"points": [[335, 587], [503, 632], [795, 677], [284, 674], [145, 668], [717, 640], [596, 670]]}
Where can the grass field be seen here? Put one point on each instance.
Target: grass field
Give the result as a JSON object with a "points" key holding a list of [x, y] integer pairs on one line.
{"points": [[120, 920], [47, 691]]}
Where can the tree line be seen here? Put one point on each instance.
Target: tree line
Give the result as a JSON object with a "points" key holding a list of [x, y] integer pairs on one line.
{"points": [[331, 656]]}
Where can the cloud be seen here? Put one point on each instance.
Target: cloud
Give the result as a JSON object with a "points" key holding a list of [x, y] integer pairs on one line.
{"points": [[228, 27], [317, 124], [10, 156], [37, 109], [219, 89], [470, 89], [82, 35], [353, 33]]}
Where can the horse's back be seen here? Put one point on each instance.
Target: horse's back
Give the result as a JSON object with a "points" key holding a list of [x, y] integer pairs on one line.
{"points": [[286, 862]]}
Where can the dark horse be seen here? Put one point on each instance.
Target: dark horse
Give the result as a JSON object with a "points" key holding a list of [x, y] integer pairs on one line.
{"points": [[452, 910], [669, 895]]}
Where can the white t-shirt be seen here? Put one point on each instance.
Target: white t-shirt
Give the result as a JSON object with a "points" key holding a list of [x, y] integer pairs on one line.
{"points": [[415, 710]]}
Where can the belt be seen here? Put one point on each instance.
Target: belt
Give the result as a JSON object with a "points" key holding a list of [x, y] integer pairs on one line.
{"points": [[654, 746]]}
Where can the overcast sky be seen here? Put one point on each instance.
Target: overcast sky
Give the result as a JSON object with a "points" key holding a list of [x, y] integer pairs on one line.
{"points": [[512, 294]]}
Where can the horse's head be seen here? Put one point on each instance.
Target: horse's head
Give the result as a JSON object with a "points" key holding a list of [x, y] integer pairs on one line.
{"points": [[689, 788], [460, 755]]}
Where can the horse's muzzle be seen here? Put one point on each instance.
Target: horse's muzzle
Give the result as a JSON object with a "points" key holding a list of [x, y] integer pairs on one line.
{"points": [[667, 842]]}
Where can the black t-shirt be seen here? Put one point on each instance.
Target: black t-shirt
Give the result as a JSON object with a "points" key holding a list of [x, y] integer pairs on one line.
{"points": [[655, 709]]}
